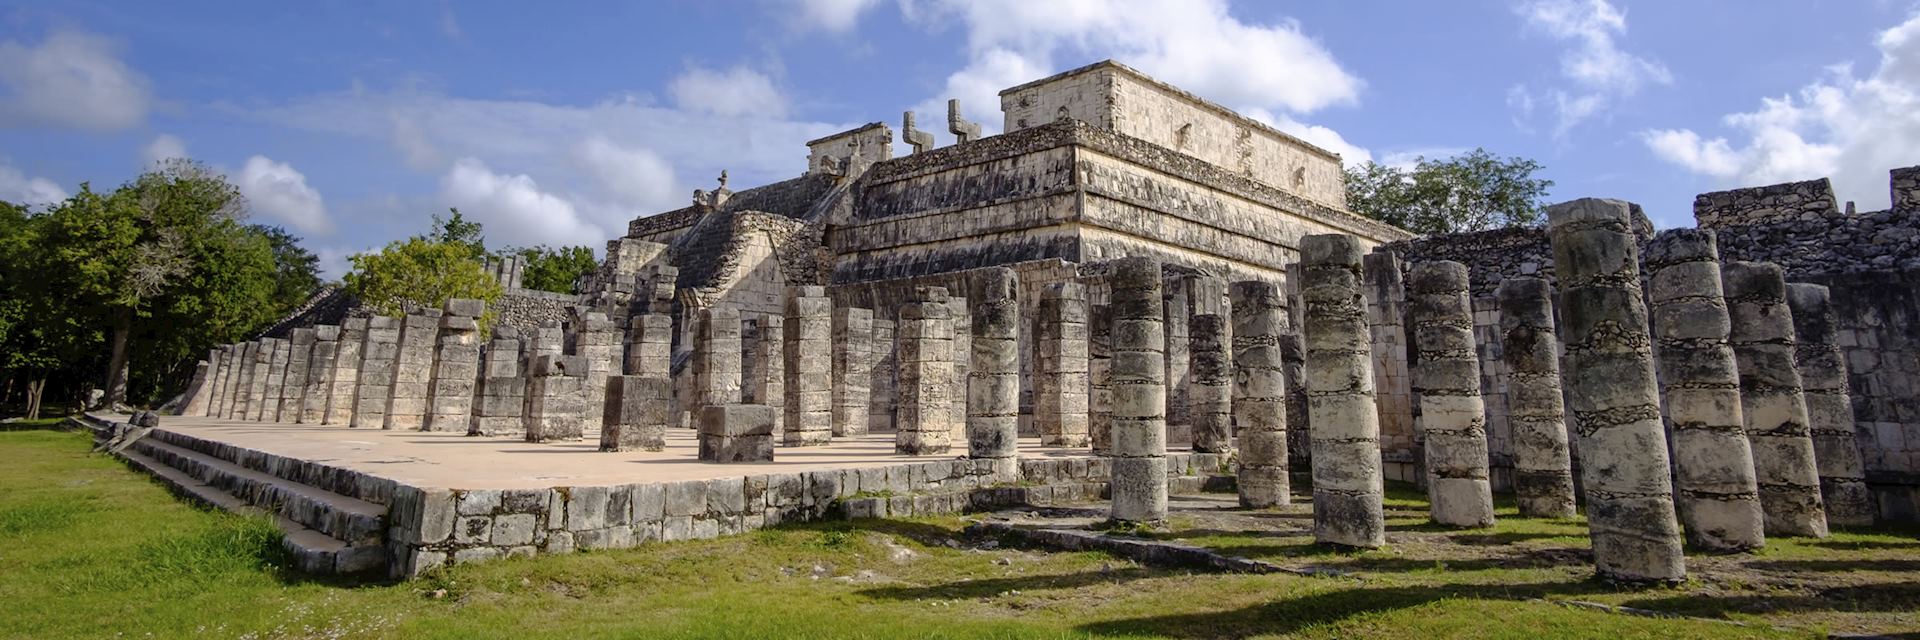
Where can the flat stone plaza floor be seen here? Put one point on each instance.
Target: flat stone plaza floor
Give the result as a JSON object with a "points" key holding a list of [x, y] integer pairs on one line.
{"points": [[457, 461]]}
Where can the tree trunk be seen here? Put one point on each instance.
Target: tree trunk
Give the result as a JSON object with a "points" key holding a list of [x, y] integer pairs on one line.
{"points": [[35, 389], [117, 364]]}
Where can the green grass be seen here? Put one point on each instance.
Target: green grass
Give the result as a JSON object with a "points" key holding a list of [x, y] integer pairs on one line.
{"points": [[91, 549]]}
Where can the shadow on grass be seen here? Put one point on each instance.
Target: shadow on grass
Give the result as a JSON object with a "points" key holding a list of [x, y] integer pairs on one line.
{"points": [[990, 587], [1327, 607], [1501, 539], [1891, 596], [1862, 545], [1836, 565]]}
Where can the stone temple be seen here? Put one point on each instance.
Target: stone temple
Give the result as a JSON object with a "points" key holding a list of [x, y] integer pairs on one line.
{"points": [[1130, 292]]}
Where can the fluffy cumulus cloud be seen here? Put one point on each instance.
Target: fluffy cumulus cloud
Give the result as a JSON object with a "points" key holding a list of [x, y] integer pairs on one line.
{"points": [[280, 191], [70, 80], [829, 15], [1852, 128], [738, 91], [636, 177], [32, 191], [1596, 69], [165, 146], [514, 206]]}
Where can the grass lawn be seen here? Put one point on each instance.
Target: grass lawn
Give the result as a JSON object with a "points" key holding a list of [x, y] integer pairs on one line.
{"points": [[91, 549]]}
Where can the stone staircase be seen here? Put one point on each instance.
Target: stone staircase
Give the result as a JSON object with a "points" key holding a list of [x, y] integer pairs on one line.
{"points": [[330, 524]]}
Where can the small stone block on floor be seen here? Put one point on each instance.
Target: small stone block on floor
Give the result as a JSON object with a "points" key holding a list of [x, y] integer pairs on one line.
{"points": [[736, 433]]}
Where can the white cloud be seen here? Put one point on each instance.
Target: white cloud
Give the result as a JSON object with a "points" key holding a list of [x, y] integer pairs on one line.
{"points": [[1323, 137], [166, 146], [637, 178], [70, 80], [735, 92], [34, 191], [277, 189], [515, 206], [1850, 128], [837, 16], [1599, 70]]}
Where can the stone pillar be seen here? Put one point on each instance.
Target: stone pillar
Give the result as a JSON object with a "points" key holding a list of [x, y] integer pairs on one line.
{"points": [[550, 339], [555, 404], [852, 373], [456, 367], [503, 388], [1339, 371], [1210, 383], [299, 361], [377, 360], [320, 361], [1259, 393], [199, 392], [1713, 481], [597, 341], [1179, 309], [245, 394], [650, 345], [1385, 293], [808, 367], [1139, 379], [1612, 393], [1100, 378], [926, 372], [770, 385], [222, 373], [736, 433], [1536, 409], [1060, 404], [962, 315], [1823, 376], [229, 375], [274, 391], [1771, 400], [1447, 377], [636, 414], [880, 386], [346, 371], [413, 371], [993, 380], [716, 357]]}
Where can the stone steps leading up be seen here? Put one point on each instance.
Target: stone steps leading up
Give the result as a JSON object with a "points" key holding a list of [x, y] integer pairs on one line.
{"points": [[351, 520]]}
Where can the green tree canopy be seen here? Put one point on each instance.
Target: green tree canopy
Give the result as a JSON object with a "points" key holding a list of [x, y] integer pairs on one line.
{"points": [[554, 269], [422, 272], [297, 270], [455, 229], [1473, 191]]}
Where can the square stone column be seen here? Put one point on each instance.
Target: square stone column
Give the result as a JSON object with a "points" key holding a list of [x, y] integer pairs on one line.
{"points": [[1139, 379], [222, 372], [925, 374], [809, 367], [1060, 403], [597, 340], [346, 371], [881, 390], [549, 339], [1259, 393], [229, 374], [503, 388], [377, 360], [413, 371], [294, 389], [635, 414], [1345, 425], [244, 393], [199, 392], [962, 315], [320, 361], [852, 373], [769, 382], [1176, 297], [736, 433], [274, 389], [555, 404], [1100, 379], [650, 345], [456, 367], [716, 357]]}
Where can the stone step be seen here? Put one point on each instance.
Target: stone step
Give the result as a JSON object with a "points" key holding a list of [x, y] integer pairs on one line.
{"points": [[312, 551], [351, 520], [315, 474]]}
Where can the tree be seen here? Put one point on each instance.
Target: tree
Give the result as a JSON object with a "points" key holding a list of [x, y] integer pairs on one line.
{"points": [[419, 272], [556, 270], [1473, 191], [297, 270], [454, 229]]}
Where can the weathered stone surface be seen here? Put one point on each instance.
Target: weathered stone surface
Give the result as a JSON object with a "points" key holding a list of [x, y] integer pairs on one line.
{"points": [[808, 367], [596, 340], [736, 433], [1210, 383], [1536, 407], [1176, 297], [503, 390], [555, 403], [456, 367], [882, 390], [1345, 436], [1714, 486], [1259, 393], [650, 345], [1830, 420], [768, 383], [412, 371], [274, 386], [716, 357], [962, 314], [345, 387], [852, 370], [636, 412], [1771, 399], [293, 391], [199, 391], [1139, 446], [1060, 388], [1447, 377], [993, 380], [319, 383], [1100, 378], [925, 374], [1613, 395]]}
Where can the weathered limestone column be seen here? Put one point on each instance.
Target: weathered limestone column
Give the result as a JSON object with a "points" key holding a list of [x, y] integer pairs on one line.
{"points": [[1100, 378], [346, 371], [852, 375], [199, 392], [1713, 480], [1139, 379], [716, 357], [1345, 425], [1210, 383], [274, 391], [880, 387], [993, 382], [636, 414], [550, 339], [1613, 395], [597, 340], [1260, 393], [1178, 310], [736, 433], [222, 373], [808, 367], [770, 385], [413, 371], [229, 375], [377, 360], [1536, 408], [320, 361], [555, 404], [926, 374], [1060, 392], [299, 361], [456, 367], [650, 345], [962, 315], [1823, 376], [243, 394], [1771, 399], [1447, 377], [503, 388]]}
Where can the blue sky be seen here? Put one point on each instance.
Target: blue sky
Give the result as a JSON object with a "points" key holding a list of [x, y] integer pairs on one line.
{"points": [[351, 123]]}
